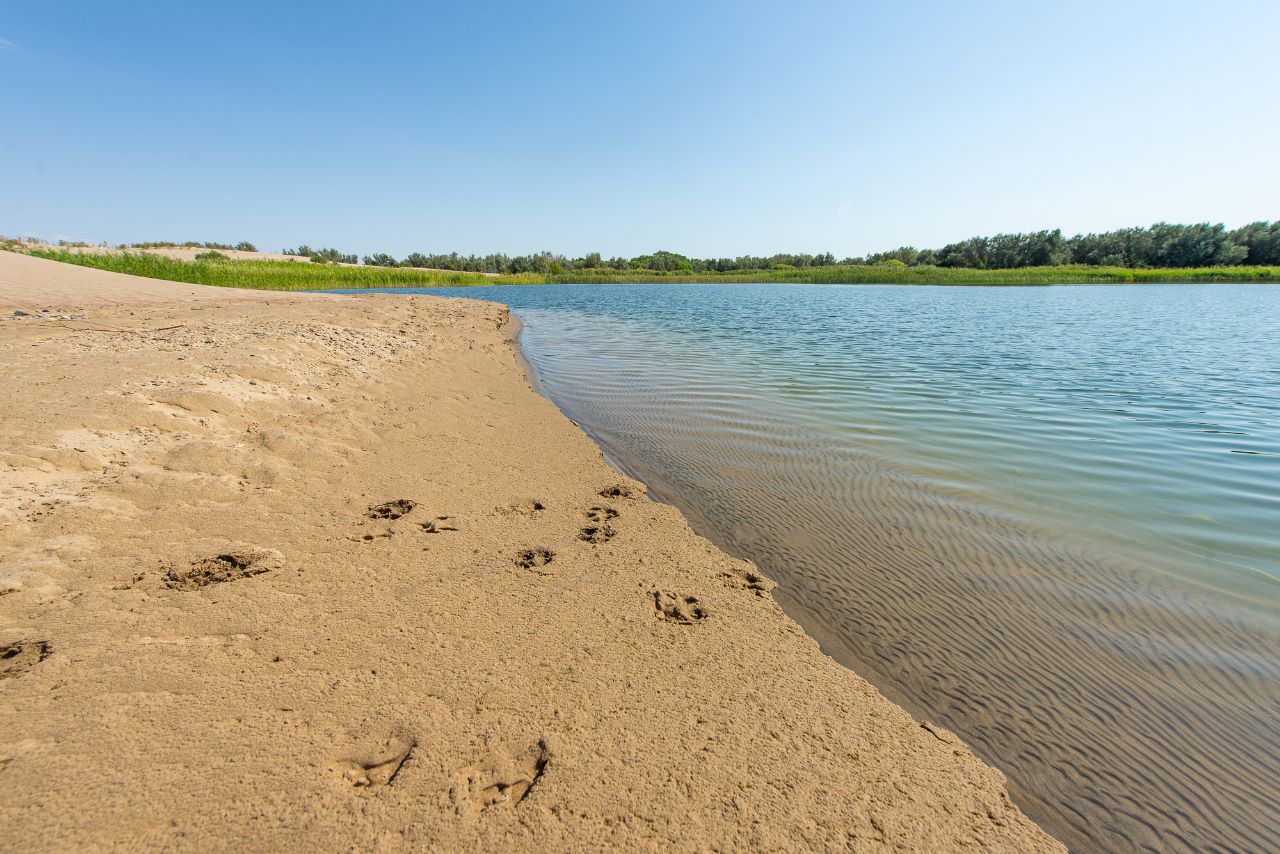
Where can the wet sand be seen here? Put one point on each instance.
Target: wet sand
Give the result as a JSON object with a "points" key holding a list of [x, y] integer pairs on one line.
{"points": [[320, 572]]}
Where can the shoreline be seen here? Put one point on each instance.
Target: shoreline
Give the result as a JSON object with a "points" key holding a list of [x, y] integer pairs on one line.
{"points": [[326, 571], [828, 641]]}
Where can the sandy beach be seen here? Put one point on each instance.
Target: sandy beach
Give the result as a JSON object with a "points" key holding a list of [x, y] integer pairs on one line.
{"points": [[312, 572]]}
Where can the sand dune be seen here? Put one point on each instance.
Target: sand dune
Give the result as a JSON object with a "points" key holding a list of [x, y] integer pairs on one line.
{"points": [[189, 253], [30, 284], [317, 572], [186, 253]]}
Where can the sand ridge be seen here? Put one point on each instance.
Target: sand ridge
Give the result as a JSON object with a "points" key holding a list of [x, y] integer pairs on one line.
{"points": [[190, 253], [321, 572]]}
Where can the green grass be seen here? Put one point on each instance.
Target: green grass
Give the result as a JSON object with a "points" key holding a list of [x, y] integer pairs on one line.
{"points": [[298, 276], [264, 275]]}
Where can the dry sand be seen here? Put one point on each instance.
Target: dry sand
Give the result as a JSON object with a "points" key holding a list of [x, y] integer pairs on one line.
{"points": [[181, 253], [217, 633]]}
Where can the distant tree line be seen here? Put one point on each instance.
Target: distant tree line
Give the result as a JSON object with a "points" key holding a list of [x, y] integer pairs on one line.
{"points": [[1162, 245], [553, 263], [242, 246]]}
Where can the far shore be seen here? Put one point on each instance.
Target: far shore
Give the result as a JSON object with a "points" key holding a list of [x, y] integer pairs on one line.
{"points": [[273, 271]]}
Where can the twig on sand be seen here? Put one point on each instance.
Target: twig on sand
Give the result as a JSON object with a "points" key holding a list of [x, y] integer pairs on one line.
{"points": [[117, 329]]}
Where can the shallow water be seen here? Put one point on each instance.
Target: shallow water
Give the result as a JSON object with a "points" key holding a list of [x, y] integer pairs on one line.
{"points": [[1047, 518]]}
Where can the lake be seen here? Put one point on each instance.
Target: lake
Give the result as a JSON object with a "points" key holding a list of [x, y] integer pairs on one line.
{"points": [[1047, 518]]}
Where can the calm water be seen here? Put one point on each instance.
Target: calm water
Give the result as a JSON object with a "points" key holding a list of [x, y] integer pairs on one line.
{"points": [[1048, 518]]}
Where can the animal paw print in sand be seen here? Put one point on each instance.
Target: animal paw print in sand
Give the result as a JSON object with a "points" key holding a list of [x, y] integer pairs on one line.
{"points": [[219, 569], [599, 531], [380, 767], [392, 509], [439, 524], [675, 608], [619, 490], [503, 782], [600, 514], [19, 657], [527, 507], [534, 558], [748, 579]]}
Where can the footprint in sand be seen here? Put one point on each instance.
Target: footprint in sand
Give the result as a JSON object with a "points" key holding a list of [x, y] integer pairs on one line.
{"points": [[527, 507], [221, 568], [748, 579], [600, 514], [619, 490], [596, 534], [534, 557], [599, 531], [675, 608], [392, 509], [502, 781], [17, 658], [439, 524], [380, 767]]}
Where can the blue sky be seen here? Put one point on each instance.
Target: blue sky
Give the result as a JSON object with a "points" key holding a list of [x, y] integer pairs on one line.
{"points": [[715, 128]]}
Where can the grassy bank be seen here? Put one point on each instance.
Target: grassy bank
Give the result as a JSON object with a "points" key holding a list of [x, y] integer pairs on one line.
{"points": [[298, 276], [264, 275], [928, 275]]}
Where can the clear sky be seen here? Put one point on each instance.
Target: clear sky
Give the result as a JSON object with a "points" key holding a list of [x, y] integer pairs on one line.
{"points": [[708, 128]]}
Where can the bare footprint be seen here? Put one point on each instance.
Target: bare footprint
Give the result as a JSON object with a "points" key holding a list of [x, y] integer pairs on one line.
{"points": [[17, 658], [675, 608], [219, 569], [392, 509], [379, 768]]}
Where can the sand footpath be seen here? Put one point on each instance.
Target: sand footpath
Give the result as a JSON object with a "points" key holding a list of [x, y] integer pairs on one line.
{"points": [[308, 572]]}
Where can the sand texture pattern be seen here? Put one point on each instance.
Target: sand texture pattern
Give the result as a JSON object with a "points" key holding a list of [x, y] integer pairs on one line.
{"points": [[324, 573]]}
